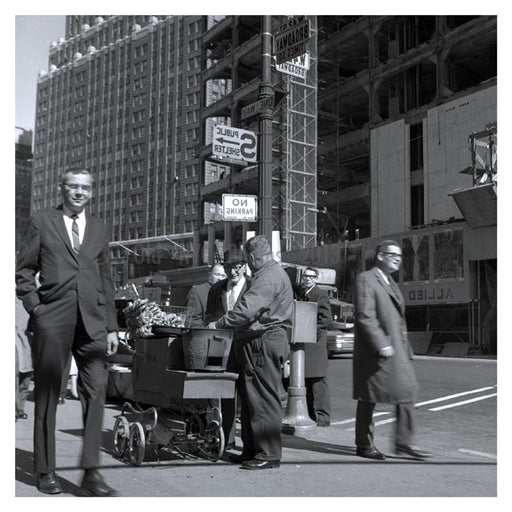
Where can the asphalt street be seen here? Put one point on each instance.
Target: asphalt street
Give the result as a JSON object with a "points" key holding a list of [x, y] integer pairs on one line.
{"points": [[456, 421]]}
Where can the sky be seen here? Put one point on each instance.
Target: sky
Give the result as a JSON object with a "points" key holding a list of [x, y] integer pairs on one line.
{"points": [[33, 36]]}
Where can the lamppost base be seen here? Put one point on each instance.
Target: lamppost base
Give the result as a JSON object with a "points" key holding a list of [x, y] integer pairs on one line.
{"points": [[297, 417]]}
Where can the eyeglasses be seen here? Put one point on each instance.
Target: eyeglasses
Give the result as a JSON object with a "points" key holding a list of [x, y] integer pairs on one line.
{"points": [[392, 255], [75, 186], [309, 276]]}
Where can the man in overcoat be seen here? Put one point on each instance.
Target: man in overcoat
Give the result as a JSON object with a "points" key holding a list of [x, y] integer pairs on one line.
{"points": [[382, 367], [315, 354], [71, 312], [198, 296], [223, 296]]}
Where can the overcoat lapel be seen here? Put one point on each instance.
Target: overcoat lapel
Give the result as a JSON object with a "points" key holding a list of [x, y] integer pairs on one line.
{"points": [[395, 297]]}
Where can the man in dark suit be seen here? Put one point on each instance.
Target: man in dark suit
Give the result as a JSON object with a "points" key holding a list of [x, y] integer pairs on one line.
{"points": [[315, 354], [72, 312], [261, 320], [382, 366], [198, 296]]}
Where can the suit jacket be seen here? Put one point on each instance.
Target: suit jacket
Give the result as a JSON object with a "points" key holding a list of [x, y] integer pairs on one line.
{"points": [[47, 250], [217, 303], [196, 301], [315, 354], [380, 321]]}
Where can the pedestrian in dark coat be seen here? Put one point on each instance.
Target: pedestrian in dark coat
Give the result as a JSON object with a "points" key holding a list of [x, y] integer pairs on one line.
{"points": [[198, 296], [382, 367], [315, 354], [223, 297], [72, 312]]}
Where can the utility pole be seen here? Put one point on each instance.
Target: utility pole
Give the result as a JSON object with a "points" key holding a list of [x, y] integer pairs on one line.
{"points": [[265, 128]]}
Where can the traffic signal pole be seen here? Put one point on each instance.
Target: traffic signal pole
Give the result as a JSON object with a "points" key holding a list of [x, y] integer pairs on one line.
{"points": [[265, 129]]}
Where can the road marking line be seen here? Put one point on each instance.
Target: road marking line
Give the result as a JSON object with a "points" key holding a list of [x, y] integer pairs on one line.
{"points": [[457, 395], [351, 420], [419, 404], [464, 402], [482, 454]]}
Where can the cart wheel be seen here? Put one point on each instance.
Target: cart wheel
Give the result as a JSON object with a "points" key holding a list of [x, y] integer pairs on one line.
{"points": [[213, 442], [121, 435], [136, 444]]}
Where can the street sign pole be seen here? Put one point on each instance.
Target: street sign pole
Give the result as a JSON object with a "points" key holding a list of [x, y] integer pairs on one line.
{"points": [[265, 126]]}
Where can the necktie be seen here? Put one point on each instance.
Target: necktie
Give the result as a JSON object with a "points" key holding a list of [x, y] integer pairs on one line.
{"points": [[231, 299], [75, 233]]}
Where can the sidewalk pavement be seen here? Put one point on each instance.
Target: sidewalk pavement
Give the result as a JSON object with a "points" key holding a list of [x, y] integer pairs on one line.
{"points": [[319, 462], [173, 475]]}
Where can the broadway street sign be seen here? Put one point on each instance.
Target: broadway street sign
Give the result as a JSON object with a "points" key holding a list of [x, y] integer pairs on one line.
{"points": [[292, 41]]}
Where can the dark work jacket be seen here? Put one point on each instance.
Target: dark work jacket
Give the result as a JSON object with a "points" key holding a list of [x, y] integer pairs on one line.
{"points": [[267, 303]]}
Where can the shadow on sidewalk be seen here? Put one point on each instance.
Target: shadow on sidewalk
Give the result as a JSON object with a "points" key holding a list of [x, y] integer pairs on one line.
{"points": [[301, 443], [26, 475]]}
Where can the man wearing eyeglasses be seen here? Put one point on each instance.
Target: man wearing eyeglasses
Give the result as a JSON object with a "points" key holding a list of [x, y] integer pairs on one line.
{"points": [[223, 297], [315, 354], [72, 312], [382, 367]]}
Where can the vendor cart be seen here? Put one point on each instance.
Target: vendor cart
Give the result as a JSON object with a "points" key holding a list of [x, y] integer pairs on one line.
{"points": [[178, 378]]}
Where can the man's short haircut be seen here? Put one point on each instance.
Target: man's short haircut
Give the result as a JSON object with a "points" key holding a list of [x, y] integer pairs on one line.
{"points": [[312, 269], [258, 245], [381, 247], [62, 177]]}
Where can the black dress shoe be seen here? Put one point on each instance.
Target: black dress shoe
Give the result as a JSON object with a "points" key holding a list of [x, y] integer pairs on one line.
{"points": [[62, 400], [413, 451], [48, 483], [21, 415], [260, 464], [94, 485], [370, 453], [238, 459]]}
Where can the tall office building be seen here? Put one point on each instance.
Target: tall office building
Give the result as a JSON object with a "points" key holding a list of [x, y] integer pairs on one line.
{"points": [[23, 143], [121, 98]]}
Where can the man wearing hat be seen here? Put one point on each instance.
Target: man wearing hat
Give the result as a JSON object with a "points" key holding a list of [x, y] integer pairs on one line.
{"points": [[222, 297]]}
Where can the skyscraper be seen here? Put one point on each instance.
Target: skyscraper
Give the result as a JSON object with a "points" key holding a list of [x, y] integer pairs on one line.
{"points": [[121, 98]]}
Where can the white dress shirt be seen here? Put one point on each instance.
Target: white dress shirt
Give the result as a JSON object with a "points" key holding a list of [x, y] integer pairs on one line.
{"points": [[68, 221], [234, 293]]}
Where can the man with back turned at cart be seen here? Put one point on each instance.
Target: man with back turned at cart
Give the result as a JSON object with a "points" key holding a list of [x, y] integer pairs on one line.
{"points": [[382, 367], [261, 320], [72, 312]]}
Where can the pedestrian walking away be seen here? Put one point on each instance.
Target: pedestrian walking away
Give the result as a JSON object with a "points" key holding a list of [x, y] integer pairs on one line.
{"points": [[382, 367], [261, 320], [72, 312]]}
